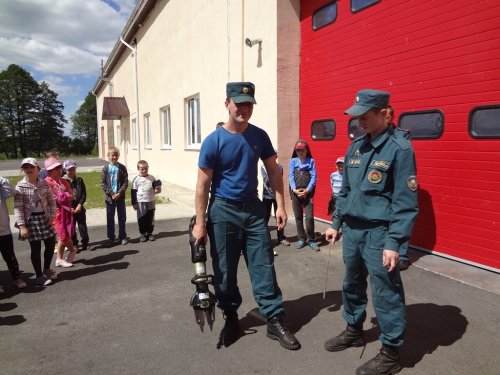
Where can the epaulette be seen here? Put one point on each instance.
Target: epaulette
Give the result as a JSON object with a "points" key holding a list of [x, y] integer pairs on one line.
{"points": [[401, 140], [405, 133], [358, 138]]}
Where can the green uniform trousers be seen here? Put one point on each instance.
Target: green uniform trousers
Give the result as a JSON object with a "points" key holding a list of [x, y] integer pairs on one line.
{"points": [[233, 228], [363, 246]]}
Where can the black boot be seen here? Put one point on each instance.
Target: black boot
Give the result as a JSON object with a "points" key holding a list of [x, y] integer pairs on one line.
{"points": [[276, 330], [352, 336], [384, 363], [231, 330]]}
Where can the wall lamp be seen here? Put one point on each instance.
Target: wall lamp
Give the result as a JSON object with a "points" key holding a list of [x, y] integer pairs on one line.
{"points": [[251, 43]]}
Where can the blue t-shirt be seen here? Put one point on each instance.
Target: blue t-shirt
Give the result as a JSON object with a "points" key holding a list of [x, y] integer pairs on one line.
{"points": [[113, 176], [233, 159]]}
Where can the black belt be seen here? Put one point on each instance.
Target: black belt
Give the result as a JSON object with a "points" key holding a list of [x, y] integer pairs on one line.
{"points": [[238, 204], [364, 224]]}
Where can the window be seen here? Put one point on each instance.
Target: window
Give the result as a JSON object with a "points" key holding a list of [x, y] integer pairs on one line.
{"points": [[484, 122], [135, 134], [353, 129], [147, 131], [323, 130], [357, 5], [166, 141], [193, 121], [423, 124], [324, 16]]}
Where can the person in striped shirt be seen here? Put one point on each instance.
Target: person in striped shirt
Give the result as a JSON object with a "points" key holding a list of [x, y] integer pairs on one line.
{"points": [[336, 183]]}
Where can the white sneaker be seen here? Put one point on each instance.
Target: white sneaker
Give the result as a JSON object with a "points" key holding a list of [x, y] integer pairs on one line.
{"points": [[50, 273], [62, 263], [43, 280]]}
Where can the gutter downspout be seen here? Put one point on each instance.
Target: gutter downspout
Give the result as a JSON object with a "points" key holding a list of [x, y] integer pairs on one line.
{"points": [[134, 52], [243, 40], [110, 88]]}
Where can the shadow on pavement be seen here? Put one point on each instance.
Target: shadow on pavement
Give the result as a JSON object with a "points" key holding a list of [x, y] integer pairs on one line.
{"points": [[106, 258], [298, 312], [10, 320], [429, 327], [75, 273]]}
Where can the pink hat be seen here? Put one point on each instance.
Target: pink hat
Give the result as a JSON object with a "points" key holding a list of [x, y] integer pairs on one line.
{"points": [[52, 163], [340, 160]]}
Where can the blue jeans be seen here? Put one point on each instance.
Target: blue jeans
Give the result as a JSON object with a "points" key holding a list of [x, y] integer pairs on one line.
{"points": [[362, 252], [234, 228], [118, 206]]}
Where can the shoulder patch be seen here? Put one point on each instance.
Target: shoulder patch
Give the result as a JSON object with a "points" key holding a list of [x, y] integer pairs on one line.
{"points": [[412, 183]]}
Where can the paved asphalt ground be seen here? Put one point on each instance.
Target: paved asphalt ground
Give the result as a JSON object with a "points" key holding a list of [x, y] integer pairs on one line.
{"points": [[125, 310]]}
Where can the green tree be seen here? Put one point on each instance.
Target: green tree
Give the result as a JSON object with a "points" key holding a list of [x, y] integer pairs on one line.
{"points": [[48, 123], [18, 94], [85, 123]]}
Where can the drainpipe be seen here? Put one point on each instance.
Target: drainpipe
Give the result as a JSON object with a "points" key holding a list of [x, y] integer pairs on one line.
{"points": [[110, 87], [243, 40], [134, 52]]}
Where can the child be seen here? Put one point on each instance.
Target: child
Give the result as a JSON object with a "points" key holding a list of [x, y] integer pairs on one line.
{"points": [[6, 242], [336, 184], [114, 183], [63, 221], [79, 216], [302, 179], [269, 200], [52, 153], [34, 210], [144, 188]]}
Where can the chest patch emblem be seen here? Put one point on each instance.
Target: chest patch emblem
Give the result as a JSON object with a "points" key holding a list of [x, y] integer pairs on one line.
{"points": [[353, 162], [357, 154], [380, 164], [412, 183], [375, 177]]}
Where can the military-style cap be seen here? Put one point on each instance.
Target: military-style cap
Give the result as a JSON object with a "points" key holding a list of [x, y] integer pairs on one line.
{"points": [[367, 99], [241, 92]]}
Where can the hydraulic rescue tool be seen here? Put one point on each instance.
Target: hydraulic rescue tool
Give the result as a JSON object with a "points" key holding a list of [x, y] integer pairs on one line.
{"points": [[203, 300]]}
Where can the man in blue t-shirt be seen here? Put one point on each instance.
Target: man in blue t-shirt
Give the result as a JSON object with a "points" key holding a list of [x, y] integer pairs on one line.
{"points": [[236, 218]]}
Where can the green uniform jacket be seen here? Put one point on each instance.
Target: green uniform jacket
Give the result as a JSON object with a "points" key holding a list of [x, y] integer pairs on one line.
{"points": [[380, 186]]}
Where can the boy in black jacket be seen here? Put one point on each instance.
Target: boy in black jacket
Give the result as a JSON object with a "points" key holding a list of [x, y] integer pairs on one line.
{"points": [[79, 216]]}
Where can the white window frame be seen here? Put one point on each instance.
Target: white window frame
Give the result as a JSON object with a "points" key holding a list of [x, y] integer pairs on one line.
{"points": [[135, 134], [147, 132], [193, 122], [166, 128]]}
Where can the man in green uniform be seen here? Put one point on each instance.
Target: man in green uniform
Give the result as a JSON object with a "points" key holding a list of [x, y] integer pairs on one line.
{"points": [[377, 207]]}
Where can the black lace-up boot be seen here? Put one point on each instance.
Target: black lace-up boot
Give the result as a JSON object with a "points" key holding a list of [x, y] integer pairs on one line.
{"points": [[384, 363], [276, 330], [231, 330], [352, 336]]}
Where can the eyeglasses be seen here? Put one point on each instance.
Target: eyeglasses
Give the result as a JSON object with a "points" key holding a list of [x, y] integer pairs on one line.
{"points": [[300, 149], [27, 166]]}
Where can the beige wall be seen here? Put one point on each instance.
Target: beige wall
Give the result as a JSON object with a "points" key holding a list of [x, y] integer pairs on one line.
{"points": [[188, 47]]}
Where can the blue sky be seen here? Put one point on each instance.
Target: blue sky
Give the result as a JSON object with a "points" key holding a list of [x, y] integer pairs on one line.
{"points": [[61, 42]]}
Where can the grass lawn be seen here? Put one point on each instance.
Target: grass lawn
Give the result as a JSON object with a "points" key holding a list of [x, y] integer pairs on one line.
{"points": [[95, 195]]}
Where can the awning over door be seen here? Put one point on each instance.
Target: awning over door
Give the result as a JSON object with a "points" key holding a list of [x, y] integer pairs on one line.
{"points": [[114, 108]]}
